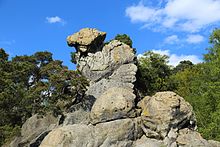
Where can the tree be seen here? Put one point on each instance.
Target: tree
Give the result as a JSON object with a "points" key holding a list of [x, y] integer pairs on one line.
{"points": [[153, 73], [43, 58], [3, 55], [35, 84], [200, 85], [124, 38], [214, 51], [182, 66], [73, 57]]}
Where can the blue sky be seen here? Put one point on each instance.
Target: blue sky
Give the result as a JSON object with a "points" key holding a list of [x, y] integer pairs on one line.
{"points": [[178, 28]]}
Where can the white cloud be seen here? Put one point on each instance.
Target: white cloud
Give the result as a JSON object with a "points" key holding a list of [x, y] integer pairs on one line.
{"points": [[141, 13], [162, 52], [185, 15], [191, 39], [171, 39], [194, 39], [55, 19], [175, 59], [139, 56]]}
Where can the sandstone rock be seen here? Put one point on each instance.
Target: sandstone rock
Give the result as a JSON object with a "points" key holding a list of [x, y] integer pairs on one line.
{"points": [[14, 143], [122, 77], [117, 133], [214, 143], [125, 73], [34, 129], [67, 136], [98, 88], [109, 116], [190, 138], [86, 39], [170, 139], [147, 142], [163, 111], [110, 70], [77, 117], [38, 122], [102, 63], [115, 103]]}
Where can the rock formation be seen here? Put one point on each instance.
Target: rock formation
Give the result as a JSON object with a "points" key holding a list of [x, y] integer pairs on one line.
{"points": [[34, 130], [111, 71], [115, 118]]}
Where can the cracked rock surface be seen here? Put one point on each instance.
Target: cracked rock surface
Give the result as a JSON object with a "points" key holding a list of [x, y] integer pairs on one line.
{"points": [[118, 117]]}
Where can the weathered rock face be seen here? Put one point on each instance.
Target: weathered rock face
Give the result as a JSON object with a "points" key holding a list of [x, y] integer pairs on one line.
{"points": [[77, 117], [165, 111], [122, 77], [119, 133], [86, 40], [188, 137], [115, 103], [214, 143], [111, 71], [116, 120], [102, 64], [34, 130], [114, 117], [148, 142]]}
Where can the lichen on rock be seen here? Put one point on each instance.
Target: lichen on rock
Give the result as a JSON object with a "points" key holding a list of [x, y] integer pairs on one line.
{"points": [[118, 118], [111, 71]]}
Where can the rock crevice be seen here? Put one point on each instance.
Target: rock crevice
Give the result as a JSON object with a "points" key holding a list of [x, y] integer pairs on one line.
{"points": [[118, 118]]}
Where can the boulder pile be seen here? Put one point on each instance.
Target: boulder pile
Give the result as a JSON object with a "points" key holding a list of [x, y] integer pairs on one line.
{"points": [[117, 117]]}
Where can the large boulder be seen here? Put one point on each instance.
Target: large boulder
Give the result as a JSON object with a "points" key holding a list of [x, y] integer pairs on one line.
{"points": [[148, 142], [115, 103], [87, 40], [35, 129], [165, 111], [187, 138], [119, 133], [77, 117]]}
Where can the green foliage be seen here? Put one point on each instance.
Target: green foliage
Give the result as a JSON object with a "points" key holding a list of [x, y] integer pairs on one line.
{"points": [[153, 73], [38, 84], [43, 58], [200, 86], [35, 84], [214, 51], [3, 55], [124, 38], [182, 66], [73, 57], [7, 133]]}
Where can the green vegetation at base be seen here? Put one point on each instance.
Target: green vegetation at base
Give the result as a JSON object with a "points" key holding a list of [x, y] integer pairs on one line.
{"points": [[199, 84], [39, 84], [34, 84], [124, 38], [153, 74]]}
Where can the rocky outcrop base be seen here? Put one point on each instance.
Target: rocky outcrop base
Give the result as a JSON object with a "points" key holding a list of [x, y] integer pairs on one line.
{"points": [[115, 116]]}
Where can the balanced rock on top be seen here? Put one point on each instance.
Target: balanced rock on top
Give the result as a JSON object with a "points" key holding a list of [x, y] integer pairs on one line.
{"points": [[110, 69], [116, 117], [86, 39]]}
